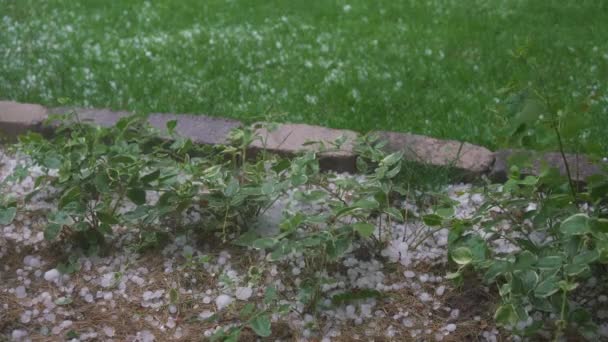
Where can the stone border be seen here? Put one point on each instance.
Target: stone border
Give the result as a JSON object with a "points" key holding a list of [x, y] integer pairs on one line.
{"points": [[288, 139]]}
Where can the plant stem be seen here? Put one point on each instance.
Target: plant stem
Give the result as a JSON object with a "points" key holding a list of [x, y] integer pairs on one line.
{"points": [[566, 165]]}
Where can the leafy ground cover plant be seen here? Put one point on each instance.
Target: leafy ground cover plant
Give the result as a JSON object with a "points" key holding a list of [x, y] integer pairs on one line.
{"points": [[97, 172], [125, 175], [557, 231], [129, 177]]}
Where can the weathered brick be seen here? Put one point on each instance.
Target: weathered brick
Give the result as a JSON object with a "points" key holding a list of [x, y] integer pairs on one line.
{"points": [[17, 118], [471, 159], [102, 117], [199, 128], [289, 139]]}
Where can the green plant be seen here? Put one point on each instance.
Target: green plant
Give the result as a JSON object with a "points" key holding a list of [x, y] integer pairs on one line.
{"points": [[104, 176], [255, 317], [559, 241], [355, 213]]}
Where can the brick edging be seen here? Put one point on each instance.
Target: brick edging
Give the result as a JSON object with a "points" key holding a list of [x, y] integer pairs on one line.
{"points": [[469, 160]]}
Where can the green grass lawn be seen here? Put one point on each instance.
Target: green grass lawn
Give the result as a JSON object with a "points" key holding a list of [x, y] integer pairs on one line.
{"points": [[436, 67]]}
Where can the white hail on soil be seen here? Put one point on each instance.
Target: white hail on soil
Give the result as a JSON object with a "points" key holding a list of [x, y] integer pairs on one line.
{"points": [[110, 285]]}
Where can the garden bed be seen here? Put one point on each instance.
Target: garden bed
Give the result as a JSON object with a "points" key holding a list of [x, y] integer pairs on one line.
{"points": [[126, 295], [112, 233]]}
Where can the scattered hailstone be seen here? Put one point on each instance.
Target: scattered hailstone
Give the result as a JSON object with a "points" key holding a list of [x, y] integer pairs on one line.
{"points": [[205, 314], [440, 290], [31, 261], [243, 293], [109, 331], [450, 327], [20, 292], [51, 275], [145, 336], [222, 301], [18, 334], [425, 297]]}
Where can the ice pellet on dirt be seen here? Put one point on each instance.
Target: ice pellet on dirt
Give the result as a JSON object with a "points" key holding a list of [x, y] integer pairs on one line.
{"points": [[145, 336], [31, 261], [170, 323], [425, 297], [243, 293], [107, 279], [450, 327], [139, 281], [454, 314], [18, 334], [440, 290], [52, 275], [20, 292], [222, 301], [409, 274], [205, 314], [408, 323]]}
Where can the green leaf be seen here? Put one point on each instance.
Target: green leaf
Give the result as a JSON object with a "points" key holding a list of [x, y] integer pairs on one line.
{"points": [[264, 243], [354, 295], [364, 229], [51, 231], [432, 220], [392, 159], [101, 182], [261, 325], [137, 196], [232, 188], [7, 215], [336, 248], [496, 269], [247, 311], [528, 280], [171, 124], [107, 218], [573, 270], [368, 203], [525, 260], [506, 315], [173, 296], [361, 165], [462, 255], [137, 213], [576, 224], [586, 257], [549, 262], [270, 294], [60, 217], [567, 286], [600, 225], [547, 287], [69, 196], [150, 177], [298, 179], [445, 212], [247, 239], [280, 251], [267, 188], [52, 162], [395, 214]]}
